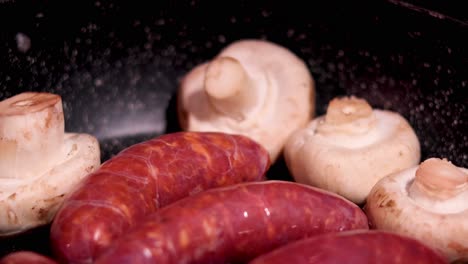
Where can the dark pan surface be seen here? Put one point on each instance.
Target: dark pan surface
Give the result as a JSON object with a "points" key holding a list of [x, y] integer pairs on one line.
{"points": [[117, 65]]}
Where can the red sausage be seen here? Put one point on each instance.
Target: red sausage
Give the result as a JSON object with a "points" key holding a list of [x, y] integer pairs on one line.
{"points": [[26, 257], [144, 178], [353, 247], [234, 224]]}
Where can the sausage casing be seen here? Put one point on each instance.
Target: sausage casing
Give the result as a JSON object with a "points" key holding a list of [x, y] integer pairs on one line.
{"points": [[234, 224], [145, 177], [26, 257], [353, 247]]}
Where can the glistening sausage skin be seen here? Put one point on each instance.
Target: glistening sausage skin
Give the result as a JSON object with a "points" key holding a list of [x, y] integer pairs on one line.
{"points": [[234, 224], [26, 257], [144, 178], [353, 247]]}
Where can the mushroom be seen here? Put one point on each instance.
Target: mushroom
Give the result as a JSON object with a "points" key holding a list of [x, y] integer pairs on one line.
{"points": [[39, 162], [254, 88], [351, 147], [428, 202]]}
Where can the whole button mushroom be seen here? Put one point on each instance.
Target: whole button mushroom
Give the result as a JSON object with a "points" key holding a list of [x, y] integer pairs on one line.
{"points": [[254, 88], [428, 202], [350, 148], [39, 162]]}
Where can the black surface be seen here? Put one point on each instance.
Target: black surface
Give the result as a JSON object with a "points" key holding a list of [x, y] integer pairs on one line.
{"points": [[117, 65]]}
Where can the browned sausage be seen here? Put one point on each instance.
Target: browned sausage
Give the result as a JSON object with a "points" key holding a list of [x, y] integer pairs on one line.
{"points": [[26, 257], [353, 247], [234, 224], [145, 177]]}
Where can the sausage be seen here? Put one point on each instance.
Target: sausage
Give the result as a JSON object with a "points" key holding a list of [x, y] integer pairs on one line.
{"points": [[353, 247], [145, 177], [26, 257], [234, 224]]}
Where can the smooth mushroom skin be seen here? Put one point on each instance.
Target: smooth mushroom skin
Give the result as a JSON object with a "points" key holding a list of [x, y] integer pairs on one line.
{"points": [[39, 162], [403, 203], [351, 147], [252, 87]]}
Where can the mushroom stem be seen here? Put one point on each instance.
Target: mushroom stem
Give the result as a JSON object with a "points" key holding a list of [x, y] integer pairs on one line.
{"points": [[440, 179], [31, 134], [229, 88], [348, 115], [346, 110]]}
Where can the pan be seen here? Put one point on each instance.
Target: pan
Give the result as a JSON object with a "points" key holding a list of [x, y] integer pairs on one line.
{"points": [[117, 65]]}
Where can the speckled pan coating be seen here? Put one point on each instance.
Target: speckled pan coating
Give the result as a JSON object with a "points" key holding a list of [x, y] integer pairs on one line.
{"points": [[145, 177], [235, 224]]}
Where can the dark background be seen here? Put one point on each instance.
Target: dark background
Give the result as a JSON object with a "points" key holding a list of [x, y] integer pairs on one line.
{"points": [[117, 64]]}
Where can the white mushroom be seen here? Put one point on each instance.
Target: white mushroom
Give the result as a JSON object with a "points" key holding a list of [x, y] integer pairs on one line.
{"points": [[254, 88], [428, 202], [350, 148], [39, 162]]}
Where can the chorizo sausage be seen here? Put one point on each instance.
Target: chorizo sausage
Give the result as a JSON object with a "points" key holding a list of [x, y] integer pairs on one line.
{"points": [[26, 257], [234, 224], [353, 247], [145, 177]]}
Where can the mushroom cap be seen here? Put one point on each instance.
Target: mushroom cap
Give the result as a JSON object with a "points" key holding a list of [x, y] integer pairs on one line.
{"points": [[441, 224], [277, 97], [350, 164], [30, 202]]}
